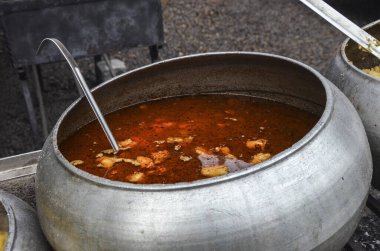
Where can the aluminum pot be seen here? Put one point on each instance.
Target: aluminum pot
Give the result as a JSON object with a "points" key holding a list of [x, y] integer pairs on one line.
{"points": [[362, 90], [21, 222], [309, 196]]}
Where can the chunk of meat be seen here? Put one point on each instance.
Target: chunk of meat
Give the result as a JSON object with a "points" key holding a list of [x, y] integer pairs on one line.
{"points": [[160, 156], [260, 157], [76, 162], [212, 171], [159, 142], [145, 162], [225, 150], [185, 158], [132, 161], [107, 151], [259, 143], [230, 156], [201, 150], [135, 177], [127, 144], [172, 140], [108, 162], [177, 147]]}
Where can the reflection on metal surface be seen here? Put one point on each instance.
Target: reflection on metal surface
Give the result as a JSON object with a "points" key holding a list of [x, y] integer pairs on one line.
{"points": [[19, 165]]}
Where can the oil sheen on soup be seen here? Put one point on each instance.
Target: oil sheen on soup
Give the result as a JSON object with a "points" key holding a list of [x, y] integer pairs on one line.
{"points": [[187, 138]]}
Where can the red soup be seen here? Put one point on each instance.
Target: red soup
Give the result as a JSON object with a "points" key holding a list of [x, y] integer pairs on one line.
{"points": [[187, 138]]}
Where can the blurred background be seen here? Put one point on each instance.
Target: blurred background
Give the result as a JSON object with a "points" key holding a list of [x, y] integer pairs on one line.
{"points": [[284, 27]]}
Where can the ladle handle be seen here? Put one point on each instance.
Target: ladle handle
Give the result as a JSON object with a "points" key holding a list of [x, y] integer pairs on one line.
{"points": [[345, 25], [82, 86]]}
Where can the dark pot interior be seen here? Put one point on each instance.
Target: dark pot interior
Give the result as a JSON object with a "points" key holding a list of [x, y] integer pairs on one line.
{"points": [[362, 59]]}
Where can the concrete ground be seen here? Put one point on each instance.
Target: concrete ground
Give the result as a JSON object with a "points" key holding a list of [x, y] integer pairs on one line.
{"points": [[284, 27]]}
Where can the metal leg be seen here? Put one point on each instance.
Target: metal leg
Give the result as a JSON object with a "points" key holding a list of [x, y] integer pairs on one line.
{"points": [[42, 83], [29, 105], [37, 86], [373, 204], [109, 65], [153, 51], [98, 74]]}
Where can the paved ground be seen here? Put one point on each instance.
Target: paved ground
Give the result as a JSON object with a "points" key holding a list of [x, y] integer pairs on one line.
{"points": [[282, 27]]}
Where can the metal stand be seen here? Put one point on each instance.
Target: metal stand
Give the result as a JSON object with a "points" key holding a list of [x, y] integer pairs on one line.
{"points": [[153, 52], [37, 87], [29, 104], [98, 74]]}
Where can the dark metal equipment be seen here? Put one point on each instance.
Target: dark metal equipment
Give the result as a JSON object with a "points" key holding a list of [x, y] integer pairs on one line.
{"points": [[86, 27]]}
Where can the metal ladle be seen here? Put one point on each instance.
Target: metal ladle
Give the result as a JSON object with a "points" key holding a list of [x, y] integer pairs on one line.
{"points": [[83, 89], [345, 25]]}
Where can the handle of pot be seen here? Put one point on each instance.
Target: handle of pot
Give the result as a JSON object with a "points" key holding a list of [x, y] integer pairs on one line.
{"points": [[83, 88]]}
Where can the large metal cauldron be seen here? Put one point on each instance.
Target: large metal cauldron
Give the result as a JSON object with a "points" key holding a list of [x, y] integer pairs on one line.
{"points": [[362, 89], [21, 222], [309, 196]]}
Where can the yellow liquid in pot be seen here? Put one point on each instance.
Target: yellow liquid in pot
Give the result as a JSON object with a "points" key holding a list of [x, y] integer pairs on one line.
{"points": [[3, 240]]}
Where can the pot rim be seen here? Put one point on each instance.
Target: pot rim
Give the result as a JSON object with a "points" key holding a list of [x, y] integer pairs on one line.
{"points": [[348, 62], [209, 181]]}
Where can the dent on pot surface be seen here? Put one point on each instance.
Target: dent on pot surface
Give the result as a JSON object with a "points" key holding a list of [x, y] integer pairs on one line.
{"points": [[308, 197], [362, 89]]}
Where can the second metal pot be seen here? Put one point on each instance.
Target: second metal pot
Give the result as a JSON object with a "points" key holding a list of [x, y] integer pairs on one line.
{"points": [[363, 90]]}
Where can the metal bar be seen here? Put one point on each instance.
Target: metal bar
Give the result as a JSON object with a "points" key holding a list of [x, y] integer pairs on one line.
{"points": [[109, 65], [81, 84], [29, 105], [345, 25], [19, 165], [153, 52], [37, 86], [98, 74]]}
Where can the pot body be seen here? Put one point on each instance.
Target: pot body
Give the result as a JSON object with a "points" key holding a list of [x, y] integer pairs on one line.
{"points": [[24, 231], [308, 197], [362, 90]]}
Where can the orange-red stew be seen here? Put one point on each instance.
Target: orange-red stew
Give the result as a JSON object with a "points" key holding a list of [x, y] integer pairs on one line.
{"points": [[187, 138]]}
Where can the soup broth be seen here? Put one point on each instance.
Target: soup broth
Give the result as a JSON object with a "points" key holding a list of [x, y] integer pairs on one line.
{"points": [[187, 138], [4, 225]]}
